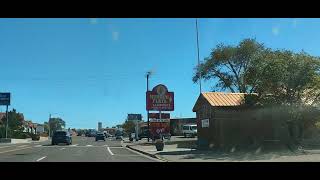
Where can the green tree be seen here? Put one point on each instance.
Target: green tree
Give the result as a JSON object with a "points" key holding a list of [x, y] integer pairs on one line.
{"points": [[56, 124], [15, 123], [230, 65], [128, 126], [277, 76]]}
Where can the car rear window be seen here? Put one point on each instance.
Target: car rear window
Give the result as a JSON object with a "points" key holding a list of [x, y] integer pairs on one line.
{"points": [[185, 127], [60, 133]]}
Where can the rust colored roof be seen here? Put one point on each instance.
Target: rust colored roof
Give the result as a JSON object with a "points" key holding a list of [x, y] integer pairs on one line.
{"points": [[223, 99]]}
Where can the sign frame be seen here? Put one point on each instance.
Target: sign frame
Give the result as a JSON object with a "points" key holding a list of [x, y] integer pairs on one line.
{"points": [[5, 99], [160, 99]]}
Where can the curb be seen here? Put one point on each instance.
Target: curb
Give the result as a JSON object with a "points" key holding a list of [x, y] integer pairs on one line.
{"points": [[148, 154]]}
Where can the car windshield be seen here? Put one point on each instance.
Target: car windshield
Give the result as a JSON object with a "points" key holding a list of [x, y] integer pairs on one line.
{"points": [[175, 89]]}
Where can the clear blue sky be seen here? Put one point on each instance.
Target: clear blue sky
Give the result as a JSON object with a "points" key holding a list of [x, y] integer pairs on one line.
{"points": [[90, 70]]}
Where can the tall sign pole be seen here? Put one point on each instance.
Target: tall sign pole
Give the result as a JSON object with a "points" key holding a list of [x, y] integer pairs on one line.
{"points": [[5, 101], [7, 122], [148, 74]]}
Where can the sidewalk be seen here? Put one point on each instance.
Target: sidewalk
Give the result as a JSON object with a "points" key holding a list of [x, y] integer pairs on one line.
{"points": [[173, 152], [27, 140], [148, 148]]}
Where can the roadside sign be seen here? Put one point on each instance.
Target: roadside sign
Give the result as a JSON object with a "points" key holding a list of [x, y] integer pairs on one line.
{"points": [[134, 117], [5, 99], [157, 115], [159, 99]]}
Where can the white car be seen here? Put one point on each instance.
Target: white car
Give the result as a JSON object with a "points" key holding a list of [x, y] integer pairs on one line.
{"points": [[189, 130]]}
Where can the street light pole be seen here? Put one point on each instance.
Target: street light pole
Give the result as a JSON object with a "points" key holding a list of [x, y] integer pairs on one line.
{"points": [[148, 74], [198, 52], [49, 124]]}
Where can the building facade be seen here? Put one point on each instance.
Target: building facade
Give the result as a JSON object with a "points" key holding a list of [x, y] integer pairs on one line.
{"points": [[176, 125]]}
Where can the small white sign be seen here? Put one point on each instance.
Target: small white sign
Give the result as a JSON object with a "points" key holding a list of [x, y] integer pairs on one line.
{"points": [[205, 123]]}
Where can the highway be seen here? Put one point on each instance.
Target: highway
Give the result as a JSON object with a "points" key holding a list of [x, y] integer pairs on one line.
{"points": [[83, 149]]}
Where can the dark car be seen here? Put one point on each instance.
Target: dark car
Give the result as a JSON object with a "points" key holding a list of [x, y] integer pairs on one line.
{"points": [[61, 137], [100, 136]]}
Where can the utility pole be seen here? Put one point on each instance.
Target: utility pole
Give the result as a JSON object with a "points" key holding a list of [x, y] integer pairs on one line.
{"points": [[198, 52], [49, 124], [148, 74]]}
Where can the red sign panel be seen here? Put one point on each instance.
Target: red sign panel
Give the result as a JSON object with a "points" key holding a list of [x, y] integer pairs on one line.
{"points": [[157, 115], [159, 99], [157, 128]]}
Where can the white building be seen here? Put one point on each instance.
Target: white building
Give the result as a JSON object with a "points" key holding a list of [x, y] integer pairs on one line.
{"points": [[99, 126]]}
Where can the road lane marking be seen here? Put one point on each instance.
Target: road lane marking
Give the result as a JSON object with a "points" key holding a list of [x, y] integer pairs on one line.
{"points": [[23, 146], [37, 146], [75, 145], [88, 145], [15, 150], [62, 148], [41, 158], [6, 146], [110, 151], [116, 147]]}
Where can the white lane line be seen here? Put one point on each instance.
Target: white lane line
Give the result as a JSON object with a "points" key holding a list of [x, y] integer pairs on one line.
{"points": [[88, 145], [75, 145], [110, 151], [62, 148], [41, 158], [37, 146], [14, 150], [23, 146], [6, 146], [116, 147]]}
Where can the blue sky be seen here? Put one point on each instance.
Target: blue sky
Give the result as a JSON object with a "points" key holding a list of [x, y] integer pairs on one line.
{"points": [[89, 70]]}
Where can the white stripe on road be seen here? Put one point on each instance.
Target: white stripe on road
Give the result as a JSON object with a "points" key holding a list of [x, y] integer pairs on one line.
{"points": [[15, 150], [6, 146], [110, 151], [41, 158], [62, 148], [37, 146], [74, 145], [88, 145], [23, 146]]}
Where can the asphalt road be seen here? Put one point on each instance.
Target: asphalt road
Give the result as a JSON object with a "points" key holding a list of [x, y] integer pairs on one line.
{"points": [[83, 149]]}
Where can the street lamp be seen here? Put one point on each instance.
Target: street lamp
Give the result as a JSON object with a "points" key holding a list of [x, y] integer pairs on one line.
{"points": [[148, 74]]}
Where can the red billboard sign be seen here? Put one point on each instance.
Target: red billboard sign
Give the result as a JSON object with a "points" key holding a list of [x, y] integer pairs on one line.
{"points": [[157, 115], [158, 128], [159, 99]]}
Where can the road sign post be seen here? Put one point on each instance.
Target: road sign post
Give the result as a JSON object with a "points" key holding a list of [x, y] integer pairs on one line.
{"points": [[7, 122], [5, 100]]}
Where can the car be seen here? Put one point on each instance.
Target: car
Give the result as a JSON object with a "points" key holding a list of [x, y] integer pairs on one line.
{"points": [[119, 137], [100, 136], [189, 130], [61, 137]]}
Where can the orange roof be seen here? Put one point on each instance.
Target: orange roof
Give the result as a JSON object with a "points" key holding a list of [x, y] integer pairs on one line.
{"points": [[223, 99]]}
